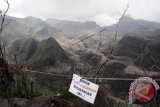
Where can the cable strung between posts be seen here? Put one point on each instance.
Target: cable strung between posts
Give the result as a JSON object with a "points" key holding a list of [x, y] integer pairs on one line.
{"points": [[89, 78]]}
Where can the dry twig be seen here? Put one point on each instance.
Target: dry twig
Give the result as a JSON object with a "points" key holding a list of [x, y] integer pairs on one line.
{"points": [[114, 43]]}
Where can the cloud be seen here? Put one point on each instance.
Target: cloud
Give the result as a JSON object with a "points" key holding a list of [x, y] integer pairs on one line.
{"points": [[103, 12]]}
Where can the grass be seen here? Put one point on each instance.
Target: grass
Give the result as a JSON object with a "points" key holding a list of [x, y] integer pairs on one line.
{"points": [[64, 93], [119, 105]]}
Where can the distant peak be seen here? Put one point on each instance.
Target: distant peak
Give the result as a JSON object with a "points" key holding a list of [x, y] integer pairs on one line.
{"points": [[73, 21], [52, 19], [32, 18], [128, 17]]}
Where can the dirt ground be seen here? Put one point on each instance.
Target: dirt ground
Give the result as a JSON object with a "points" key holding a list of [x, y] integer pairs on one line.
{"points": [[36, 102]]}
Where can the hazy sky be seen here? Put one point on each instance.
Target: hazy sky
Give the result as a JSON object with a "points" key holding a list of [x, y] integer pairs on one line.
{"points": [[104, 12]]}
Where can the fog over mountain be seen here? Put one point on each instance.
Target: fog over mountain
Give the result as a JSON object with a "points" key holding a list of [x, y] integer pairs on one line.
{"points": [[70, 32], [64, 31], [104, 12], [73, 27]]}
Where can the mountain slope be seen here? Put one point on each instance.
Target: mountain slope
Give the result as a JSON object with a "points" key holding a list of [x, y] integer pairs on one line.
{"points": [[28, 27], [46, 52], [135, 45], [129, 25], [49, 52]]}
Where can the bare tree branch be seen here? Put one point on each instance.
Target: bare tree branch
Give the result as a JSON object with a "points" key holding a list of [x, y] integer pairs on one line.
{"points": [[4, 16], [114, 43], [100, 40], [87, 37]]}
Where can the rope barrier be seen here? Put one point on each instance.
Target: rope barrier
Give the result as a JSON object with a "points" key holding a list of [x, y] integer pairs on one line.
{"points": [[89, 78], [48, 73]]}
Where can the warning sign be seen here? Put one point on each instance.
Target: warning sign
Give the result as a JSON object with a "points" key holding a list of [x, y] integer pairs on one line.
{"points": [[83, 88]]}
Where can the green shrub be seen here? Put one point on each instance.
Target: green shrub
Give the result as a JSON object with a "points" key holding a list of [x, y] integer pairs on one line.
{"points": [[47, 93], [18, 89], [119, 105], [64, 93]]}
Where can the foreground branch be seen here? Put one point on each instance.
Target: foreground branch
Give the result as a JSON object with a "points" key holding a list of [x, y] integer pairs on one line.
{"points": [[4, 16], [114, 43]]}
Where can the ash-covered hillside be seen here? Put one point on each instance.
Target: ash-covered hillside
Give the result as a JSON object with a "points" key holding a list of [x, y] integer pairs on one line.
{"points": [[37, 53], [145, 45]]}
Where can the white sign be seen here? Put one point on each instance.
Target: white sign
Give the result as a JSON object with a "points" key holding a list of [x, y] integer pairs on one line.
{"points": [[83, 88]]}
